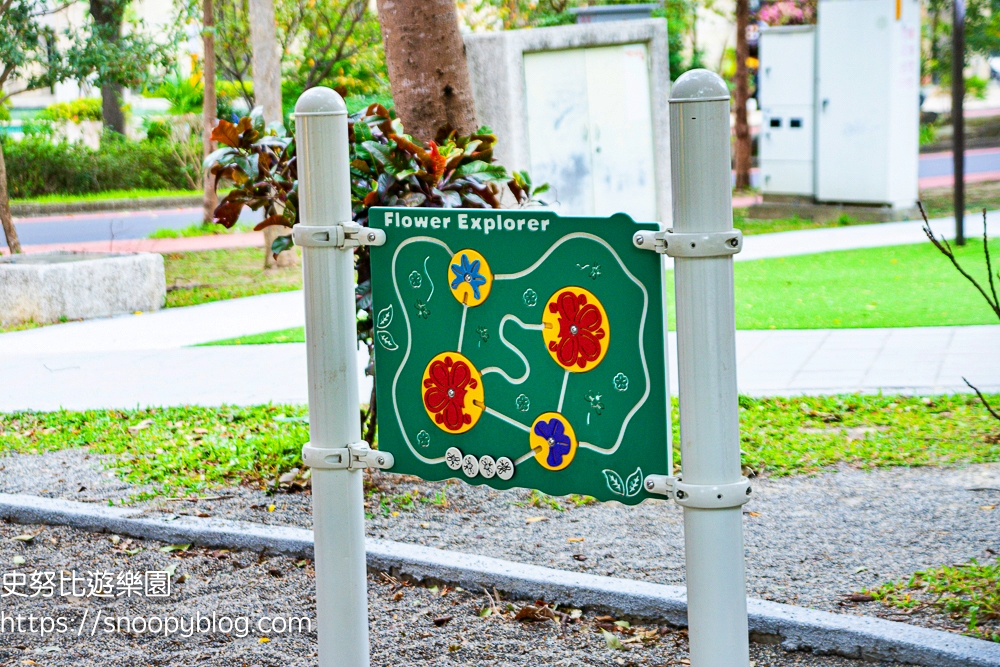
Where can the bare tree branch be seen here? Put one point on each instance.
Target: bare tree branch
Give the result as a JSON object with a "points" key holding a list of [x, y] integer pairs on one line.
{"points": [[982, 398], [946, 250]]}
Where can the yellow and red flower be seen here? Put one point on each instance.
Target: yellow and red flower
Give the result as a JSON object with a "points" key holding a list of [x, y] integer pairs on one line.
{"points": [[453, 392], [576, 329]]}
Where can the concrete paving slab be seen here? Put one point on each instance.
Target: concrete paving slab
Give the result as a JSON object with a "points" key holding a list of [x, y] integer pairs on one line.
{"points": [[168, 328]]}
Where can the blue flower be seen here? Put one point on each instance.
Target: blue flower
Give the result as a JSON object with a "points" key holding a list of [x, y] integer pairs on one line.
{"points": [[559, 443], [468, 273]]}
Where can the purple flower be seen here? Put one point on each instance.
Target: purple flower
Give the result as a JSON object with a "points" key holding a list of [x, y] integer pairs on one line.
{"points": [[559, 443]]}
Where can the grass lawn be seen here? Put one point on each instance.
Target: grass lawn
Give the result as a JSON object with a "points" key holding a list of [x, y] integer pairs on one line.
{"points": [[213, 275], [899, 286], [750, 227], [198, 229], [968, 593], [107, 194], [939, 204], [293, 335], [189, 449]]}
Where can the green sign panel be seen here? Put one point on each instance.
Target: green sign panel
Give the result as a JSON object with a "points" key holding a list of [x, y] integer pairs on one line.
{"points": [[520, 348]]}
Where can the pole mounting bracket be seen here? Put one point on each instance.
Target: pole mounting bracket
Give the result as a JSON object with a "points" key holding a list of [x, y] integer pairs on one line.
{"points": [[355, 456], [701, 496], [690, 244], [344, 235]]}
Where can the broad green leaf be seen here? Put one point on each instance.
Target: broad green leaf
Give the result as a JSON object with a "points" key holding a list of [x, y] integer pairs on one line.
{"points": [[220, 156], [615, 482], [281, 244], [484, 171]]}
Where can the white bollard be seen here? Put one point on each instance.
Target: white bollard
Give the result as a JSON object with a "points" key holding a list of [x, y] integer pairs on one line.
{"points": [[706, 344], [331, 355]]}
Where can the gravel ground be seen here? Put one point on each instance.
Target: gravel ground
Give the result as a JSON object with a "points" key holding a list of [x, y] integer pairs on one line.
{"points": [[809, 540], [408, 624]]}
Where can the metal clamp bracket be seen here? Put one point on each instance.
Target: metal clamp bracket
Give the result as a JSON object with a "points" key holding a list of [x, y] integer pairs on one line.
{"points": [[355, 456], [698, 244], [701, 496], [345, 235]]}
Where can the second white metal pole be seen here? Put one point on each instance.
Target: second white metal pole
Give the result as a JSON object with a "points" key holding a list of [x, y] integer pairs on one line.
{"points": [[331, 356], [706, 348]]}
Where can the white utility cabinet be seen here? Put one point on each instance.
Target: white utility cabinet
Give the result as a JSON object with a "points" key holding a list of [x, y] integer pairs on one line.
{"points": [[868, 101], [786, 81], [840, 103], [582, 108]]}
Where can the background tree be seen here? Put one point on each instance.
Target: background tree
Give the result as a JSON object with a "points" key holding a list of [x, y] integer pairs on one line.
{"points": [[29, 61], [267, 95], [333, 43], [742, 93], [425, 56], [116, 59], [210, 200]]}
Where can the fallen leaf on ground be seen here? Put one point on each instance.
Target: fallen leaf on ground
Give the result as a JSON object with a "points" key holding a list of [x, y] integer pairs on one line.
{"points": [[144, 424], [575, 539], [263, 640], [859, 570], [19, 560], [982, 507], [535, 519], [860, 597], [175, 547], [23, 538], [753, 513], [530, 612], [442, 620], [612, 641]]}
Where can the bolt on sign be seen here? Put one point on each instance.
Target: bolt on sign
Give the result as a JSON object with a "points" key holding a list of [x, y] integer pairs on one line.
{"points": [[520, 349]]}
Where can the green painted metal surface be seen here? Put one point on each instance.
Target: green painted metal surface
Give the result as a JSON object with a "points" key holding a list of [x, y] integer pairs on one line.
{"points": [[519, 348]]}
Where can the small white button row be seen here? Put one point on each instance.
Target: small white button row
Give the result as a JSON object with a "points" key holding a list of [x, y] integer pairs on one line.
{"points": [[486, 466]]}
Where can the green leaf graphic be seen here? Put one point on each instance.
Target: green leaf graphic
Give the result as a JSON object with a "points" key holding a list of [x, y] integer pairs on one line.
{"points": [[634, 483], [385, 338], [615, 482], [385, 317]]}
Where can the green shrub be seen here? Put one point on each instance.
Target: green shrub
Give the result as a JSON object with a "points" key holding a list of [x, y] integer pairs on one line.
{"points": [[85, 108], [37, 166], [975, 87]]}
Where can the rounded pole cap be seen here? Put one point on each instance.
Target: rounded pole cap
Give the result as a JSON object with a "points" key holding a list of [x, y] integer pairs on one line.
{"points": [[320, 101], [699, 85]]}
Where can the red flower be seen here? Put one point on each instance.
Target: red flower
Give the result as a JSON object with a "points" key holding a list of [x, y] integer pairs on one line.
{"points": [[580, 330], [445, 395]]}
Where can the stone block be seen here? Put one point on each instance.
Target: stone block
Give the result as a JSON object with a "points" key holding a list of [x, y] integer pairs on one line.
{"points": [[50, 287]]}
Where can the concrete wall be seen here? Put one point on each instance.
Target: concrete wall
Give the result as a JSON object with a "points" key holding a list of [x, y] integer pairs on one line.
{"points": [[497, 69]]}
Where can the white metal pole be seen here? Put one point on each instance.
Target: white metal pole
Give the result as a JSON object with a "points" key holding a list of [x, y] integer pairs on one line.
{"points": [[331, 355], [706, 349]]}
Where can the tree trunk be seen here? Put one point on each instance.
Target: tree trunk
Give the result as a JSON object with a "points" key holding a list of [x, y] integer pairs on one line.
{"points": [[743, 143], [210, 200], [8, 223], [427, 69], [108, 16], [267, 93], [266, 59]]}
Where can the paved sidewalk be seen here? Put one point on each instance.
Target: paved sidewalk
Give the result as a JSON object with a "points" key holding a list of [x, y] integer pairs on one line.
{"points": [[913, 361], [167, 328]]}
